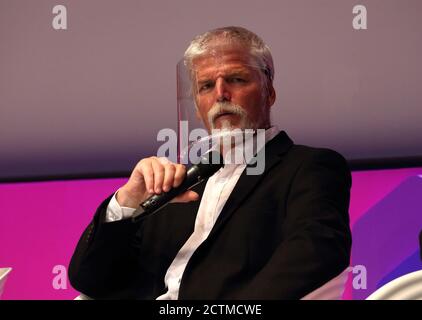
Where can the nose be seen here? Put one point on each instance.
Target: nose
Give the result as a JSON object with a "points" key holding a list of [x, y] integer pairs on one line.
{"points": [[222, 90]]}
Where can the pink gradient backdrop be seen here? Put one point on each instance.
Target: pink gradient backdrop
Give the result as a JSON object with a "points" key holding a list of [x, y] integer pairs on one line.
{"points": [[369, 187], [40, 224]]}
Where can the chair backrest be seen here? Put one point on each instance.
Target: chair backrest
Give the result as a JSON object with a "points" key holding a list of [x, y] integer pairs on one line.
{"points": [[332, 290], [407, 287], [4, 272], [83, 297]]}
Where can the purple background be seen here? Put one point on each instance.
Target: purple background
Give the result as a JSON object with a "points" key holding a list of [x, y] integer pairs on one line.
{"points": [[41, 222], [91, 99]]}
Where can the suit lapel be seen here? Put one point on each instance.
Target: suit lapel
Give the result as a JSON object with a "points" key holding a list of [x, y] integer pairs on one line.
{"points": [[274, 151]]}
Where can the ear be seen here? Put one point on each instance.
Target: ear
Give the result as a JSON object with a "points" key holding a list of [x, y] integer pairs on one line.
{"points": [[271, 95]]}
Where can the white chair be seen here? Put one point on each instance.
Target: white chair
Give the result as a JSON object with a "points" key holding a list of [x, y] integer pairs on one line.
{"points": [[83, 297], [4, 272], [332, 290], [407, 287]]}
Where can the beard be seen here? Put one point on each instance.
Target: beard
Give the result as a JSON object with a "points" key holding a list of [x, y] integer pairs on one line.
{"points": [[220, 108]]}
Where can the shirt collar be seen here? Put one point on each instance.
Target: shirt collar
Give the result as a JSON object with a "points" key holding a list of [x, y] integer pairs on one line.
{"points": [[241, 153]]}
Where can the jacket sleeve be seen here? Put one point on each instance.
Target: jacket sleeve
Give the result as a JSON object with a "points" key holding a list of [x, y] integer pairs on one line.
{"points": [[104, 263], [316, 239]]}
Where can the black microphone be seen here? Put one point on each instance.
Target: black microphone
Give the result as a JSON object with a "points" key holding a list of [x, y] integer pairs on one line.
{"points": [[209, 164]]}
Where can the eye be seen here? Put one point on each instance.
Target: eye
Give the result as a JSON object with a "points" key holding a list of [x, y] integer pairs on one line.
{"points": [[236, 80], [205, 86]]}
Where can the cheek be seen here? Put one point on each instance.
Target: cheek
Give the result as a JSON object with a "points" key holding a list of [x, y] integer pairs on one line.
{"points": [[254, 105], [253, 101], [202, 110], [204, 103]]}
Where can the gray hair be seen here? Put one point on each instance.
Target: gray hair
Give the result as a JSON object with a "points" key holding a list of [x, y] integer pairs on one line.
{"points": [[258, 49]]}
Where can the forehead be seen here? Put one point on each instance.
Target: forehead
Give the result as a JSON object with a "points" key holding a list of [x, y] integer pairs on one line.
{"points": [[224, 60]]}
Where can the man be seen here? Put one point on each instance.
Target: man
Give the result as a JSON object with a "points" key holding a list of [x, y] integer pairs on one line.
{"points": [[277, 235]]}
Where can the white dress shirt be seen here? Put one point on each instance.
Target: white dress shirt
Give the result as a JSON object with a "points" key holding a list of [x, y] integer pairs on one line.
{"points": [[217, 191]]}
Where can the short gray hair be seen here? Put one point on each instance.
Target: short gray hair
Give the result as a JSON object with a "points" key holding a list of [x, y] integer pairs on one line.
{"points": [[258, 49]]}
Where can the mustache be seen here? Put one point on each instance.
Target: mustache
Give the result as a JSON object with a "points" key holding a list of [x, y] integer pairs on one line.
{"points": [[220, 108]]}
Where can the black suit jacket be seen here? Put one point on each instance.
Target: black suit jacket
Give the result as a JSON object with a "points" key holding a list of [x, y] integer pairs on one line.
{"points": [[280, 235]]}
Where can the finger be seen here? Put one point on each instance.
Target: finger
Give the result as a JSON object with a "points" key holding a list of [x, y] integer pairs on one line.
{"points": [[188, 196], [158, 169], [179, 175], [163, 160], [147, 174], [169, 172]]}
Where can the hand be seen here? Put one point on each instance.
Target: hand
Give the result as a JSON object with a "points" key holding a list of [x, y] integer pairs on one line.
{"points": [[152, 176]]}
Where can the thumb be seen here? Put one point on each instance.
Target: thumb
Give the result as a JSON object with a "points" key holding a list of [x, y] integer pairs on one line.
{"points": [[187, 196]]}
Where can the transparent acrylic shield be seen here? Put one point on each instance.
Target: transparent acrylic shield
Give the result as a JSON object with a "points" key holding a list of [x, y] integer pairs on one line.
{"points": [[193, 136], [194, 140], [191, 130]]}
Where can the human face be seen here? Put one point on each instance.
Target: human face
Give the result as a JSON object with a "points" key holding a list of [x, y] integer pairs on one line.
{"points": [[228, 76]]}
